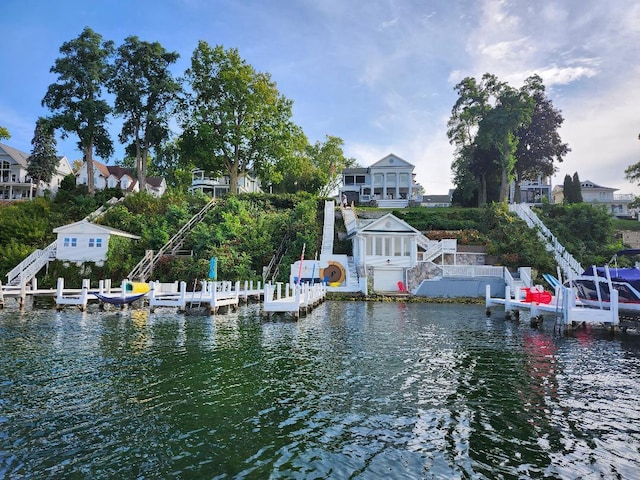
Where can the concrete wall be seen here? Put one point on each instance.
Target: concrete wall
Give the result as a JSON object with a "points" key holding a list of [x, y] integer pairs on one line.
{"points": [[461, 287]]}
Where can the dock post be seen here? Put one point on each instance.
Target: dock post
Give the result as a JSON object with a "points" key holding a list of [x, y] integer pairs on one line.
{"points": [[59, 293], [1, 296], [84, 295]]}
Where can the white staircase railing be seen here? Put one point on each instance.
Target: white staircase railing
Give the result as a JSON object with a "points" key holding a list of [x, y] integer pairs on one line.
{"points": [[569, 266], [329, 227], [143, 269], [433, 248], [30, 266]]}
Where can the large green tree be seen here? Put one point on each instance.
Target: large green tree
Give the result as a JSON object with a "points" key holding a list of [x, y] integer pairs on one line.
{"points": [[539, 142], [235, 120], [76, 98], [4, 133], [43, 161], [313, 168], [144, 91]]}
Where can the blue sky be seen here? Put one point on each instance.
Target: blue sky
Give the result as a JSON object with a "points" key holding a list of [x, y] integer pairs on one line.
{"points": [[378, 74]]}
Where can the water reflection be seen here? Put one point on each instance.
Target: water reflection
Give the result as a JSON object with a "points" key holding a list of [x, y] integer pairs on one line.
{"points": [[354, 390]]}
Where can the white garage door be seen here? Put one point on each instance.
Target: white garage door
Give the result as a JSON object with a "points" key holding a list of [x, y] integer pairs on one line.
{"points": [[385, 279]]}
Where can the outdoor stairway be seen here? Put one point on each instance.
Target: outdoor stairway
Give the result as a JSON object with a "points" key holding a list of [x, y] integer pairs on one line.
{"points": [[328, 230], [569, 266], [142, 271], [270, 272], [26, 270]]}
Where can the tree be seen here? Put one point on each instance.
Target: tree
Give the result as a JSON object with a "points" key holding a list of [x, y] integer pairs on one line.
{"points": [[75, 99], [235, 120], [487, 116], [577, 188], [4, 133], [474, 101], [539, 142], [43, 161], [313, 168], [144, 89], [498, 129]]}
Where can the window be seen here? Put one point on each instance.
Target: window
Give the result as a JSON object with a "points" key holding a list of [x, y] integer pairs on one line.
{"points": [[403, 179], [377, 179], [70, 242], [391, 179], [66, 241], [348, 180], [74, 242], [95, 242], [360, 179]]}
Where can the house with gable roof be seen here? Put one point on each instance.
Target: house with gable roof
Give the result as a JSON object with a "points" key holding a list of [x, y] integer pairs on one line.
{"points": [[84, 241], [388, 183], [115, 176], [15, 183], [598, 195]]}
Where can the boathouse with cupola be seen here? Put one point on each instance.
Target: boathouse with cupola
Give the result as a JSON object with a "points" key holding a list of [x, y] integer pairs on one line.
{"points": [[84, 241], [388, 183]]}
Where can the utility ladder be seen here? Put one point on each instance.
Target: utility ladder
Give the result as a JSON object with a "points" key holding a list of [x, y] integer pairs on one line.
{"points": [[142, 271], [569, 266], [26, 270]]}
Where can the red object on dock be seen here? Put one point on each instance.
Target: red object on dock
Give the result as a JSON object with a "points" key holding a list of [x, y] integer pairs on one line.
{"points": [[537, 296]]}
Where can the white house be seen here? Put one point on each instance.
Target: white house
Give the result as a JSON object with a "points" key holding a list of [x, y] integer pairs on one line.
{"points": [[614, 203], [389, 183], [114, 176], [84, 241], [15, 183], [219, 186], [532, 191]]}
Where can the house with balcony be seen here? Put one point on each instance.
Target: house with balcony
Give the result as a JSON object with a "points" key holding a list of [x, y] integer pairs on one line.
{"points": [[219, 186], [598, 195], [388, 183], [15, 183], [114, 176], [532, 191]]}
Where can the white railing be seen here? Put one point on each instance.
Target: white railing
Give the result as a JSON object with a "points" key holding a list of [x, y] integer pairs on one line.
{"points": [[569, 265], [31, 265], [329, 227], [472, 271]]}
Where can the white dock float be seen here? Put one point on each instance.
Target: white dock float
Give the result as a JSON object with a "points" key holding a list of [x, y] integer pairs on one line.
{"points": [[563, 305], [215, 295], [79, 298], [296, 299]]}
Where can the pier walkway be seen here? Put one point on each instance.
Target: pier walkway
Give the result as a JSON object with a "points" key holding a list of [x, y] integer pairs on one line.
{"points": [[294, 300], [563, 305]]}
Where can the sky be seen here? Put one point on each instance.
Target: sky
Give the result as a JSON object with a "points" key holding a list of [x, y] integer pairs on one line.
{"points": [[380, 74]]}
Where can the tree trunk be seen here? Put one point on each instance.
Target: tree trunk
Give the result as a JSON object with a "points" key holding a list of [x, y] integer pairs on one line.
{"points": [[88, 158], [482, 192]]}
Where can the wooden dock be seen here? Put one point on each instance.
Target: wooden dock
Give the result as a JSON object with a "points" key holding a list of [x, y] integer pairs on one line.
{"points": [[294, 300], [563, 305]]}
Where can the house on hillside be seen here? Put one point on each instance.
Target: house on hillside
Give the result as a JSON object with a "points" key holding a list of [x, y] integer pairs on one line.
{"points": [[597, 195], [113, 176], [436, 200], [219, 186], [15, 183], [388, 183], [532, 191], [84, 241]]}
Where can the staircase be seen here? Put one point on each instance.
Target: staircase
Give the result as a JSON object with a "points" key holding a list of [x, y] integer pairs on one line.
{"points": [[434, 249], [270, 272], [328, 230], [569, 266], [142, 271], [26, 270]]}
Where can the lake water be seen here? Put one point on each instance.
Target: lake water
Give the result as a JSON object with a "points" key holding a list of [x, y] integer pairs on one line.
{"points": [[354, 390]]}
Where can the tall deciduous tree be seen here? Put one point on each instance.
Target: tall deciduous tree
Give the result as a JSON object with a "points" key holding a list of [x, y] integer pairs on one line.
{"points": [[498, 129], [539, 142], [43, 161], [236, 121], [145, 90], [76, 99], [4, 133]]}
